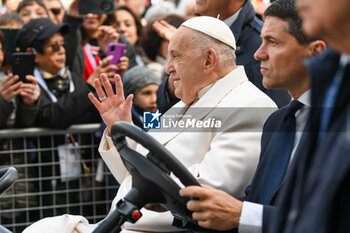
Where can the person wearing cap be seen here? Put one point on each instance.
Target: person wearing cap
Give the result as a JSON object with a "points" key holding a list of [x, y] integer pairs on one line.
{"points": [[63, 99], [212, 88], [143, 83], [18, 100]]}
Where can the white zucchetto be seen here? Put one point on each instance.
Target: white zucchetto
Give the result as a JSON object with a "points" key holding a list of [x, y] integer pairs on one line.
{"points": [[212, 27]]}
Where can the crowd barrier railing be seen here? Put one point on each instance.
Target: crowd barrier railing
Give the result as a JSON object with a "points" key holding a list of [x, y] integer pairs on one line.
{"points": [[60, 171]]}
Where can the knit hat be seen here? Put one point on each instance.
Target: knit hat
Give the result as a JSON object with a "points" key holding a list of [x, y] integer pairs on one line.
{"points": [[137, 78]]}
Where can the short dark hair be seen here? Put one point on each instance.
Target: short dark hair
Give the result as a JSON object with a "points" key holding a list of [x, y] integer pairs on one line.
{"points": [[112, 19], [285, 10], [25, 3], [9, 18]]}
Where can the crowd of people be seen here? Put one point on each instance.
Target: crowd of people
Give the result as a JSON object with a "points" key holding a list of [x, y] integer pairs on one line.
{"points": [[275, 74]]}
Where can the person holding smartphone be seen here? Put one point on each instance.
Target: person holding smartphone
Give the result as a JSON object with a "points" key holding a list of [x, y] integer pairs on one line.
{"points": [[64, 93], [96, 38], [18, 100]]}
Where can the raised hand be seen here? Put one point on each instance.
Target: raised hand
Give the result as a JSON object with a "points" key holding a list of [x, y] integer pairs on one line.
{"points": [[29, 92], [112, 106], [163, 29], [106, 35], [123, 64]]}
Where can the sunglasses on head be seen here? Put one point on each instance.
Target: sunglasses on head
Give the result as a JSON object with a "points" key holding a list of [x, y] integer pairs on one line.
{"points": [[56, 11], [56, 47]]}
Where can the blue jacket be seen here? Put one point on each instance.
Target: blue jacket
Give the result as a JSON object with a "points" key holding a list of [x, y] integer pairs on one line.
{"points": [[246, 29], [316, 197]]}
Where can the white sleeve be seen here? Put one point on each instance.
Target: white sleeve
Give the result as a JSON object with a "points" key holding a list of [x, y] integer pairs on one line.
{"points": [[112, 158], [62, 223], [251, 218]]}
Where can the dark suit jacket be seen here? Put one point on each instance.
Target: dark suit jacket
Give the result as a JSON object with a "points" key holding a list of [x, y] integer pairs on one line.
{"points": [[269, 137], [246, 30], [70, 108], [316, 197]]}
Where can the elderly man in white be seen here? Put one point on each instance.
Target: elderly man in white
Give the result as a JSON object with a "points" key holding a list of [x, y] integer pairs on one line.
{"points": [[211, 86]]}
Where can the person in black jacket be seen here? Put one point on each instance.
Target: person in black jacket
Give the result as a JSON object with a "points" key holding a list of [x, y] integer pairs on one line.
{"points": [[63, 100]]}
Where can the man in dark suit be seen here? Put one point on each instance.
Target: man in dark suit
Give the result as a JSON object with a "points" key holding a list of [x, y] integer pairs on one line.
{"points": [[317, 198], [239, 15], [281, 52]]}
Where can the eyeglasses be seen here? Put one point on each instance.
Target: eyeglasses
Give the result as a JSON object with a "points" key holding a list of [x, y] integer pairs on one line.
{"points": [[56, 47], [55, 11]]}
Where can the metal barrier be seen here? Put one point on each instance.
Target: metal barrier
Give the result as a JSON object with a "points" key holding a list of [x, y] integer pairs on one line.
{"points": [[43, 188]]}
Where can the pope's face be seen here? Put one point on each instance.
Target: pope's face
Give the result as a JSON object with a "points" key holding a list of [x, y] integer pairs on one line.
{"points": [[185, 65]]}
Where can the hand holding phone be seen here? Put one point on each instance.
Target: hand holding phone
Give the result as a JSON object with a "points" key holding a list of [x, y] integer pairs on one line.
{"points": [[23, 64], [117, 50]]}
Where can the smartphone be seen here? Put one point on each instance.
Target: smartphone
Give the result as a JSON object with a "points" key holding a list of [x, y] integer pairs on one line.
{"points": [[96, 7], [117, 50], [23, 64], [10, 44]]}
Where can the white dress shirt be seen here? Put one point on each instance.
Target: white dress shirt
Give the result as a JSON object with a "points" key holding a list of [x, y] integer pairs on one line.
{"points": [[251, 219]]}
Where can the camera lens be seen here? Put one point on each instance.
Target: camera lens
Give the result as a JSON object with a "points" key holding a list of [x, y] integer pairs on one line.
{"points": [[107, 6]]}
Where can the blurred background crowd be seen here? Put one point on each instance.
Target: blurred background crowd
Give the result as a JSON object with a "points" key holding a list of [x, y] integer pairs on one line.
{"points": [[57, 96]]}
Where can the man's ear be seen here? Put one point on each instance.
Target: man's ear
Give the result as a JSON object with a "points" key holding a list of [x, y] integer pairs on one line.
{"points": [[317, 47], [211, 60]]}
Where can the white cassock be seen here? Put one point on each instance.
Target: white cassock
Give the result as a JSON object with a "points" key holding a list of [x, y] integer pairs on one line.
{"points": [[225, 159]]}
